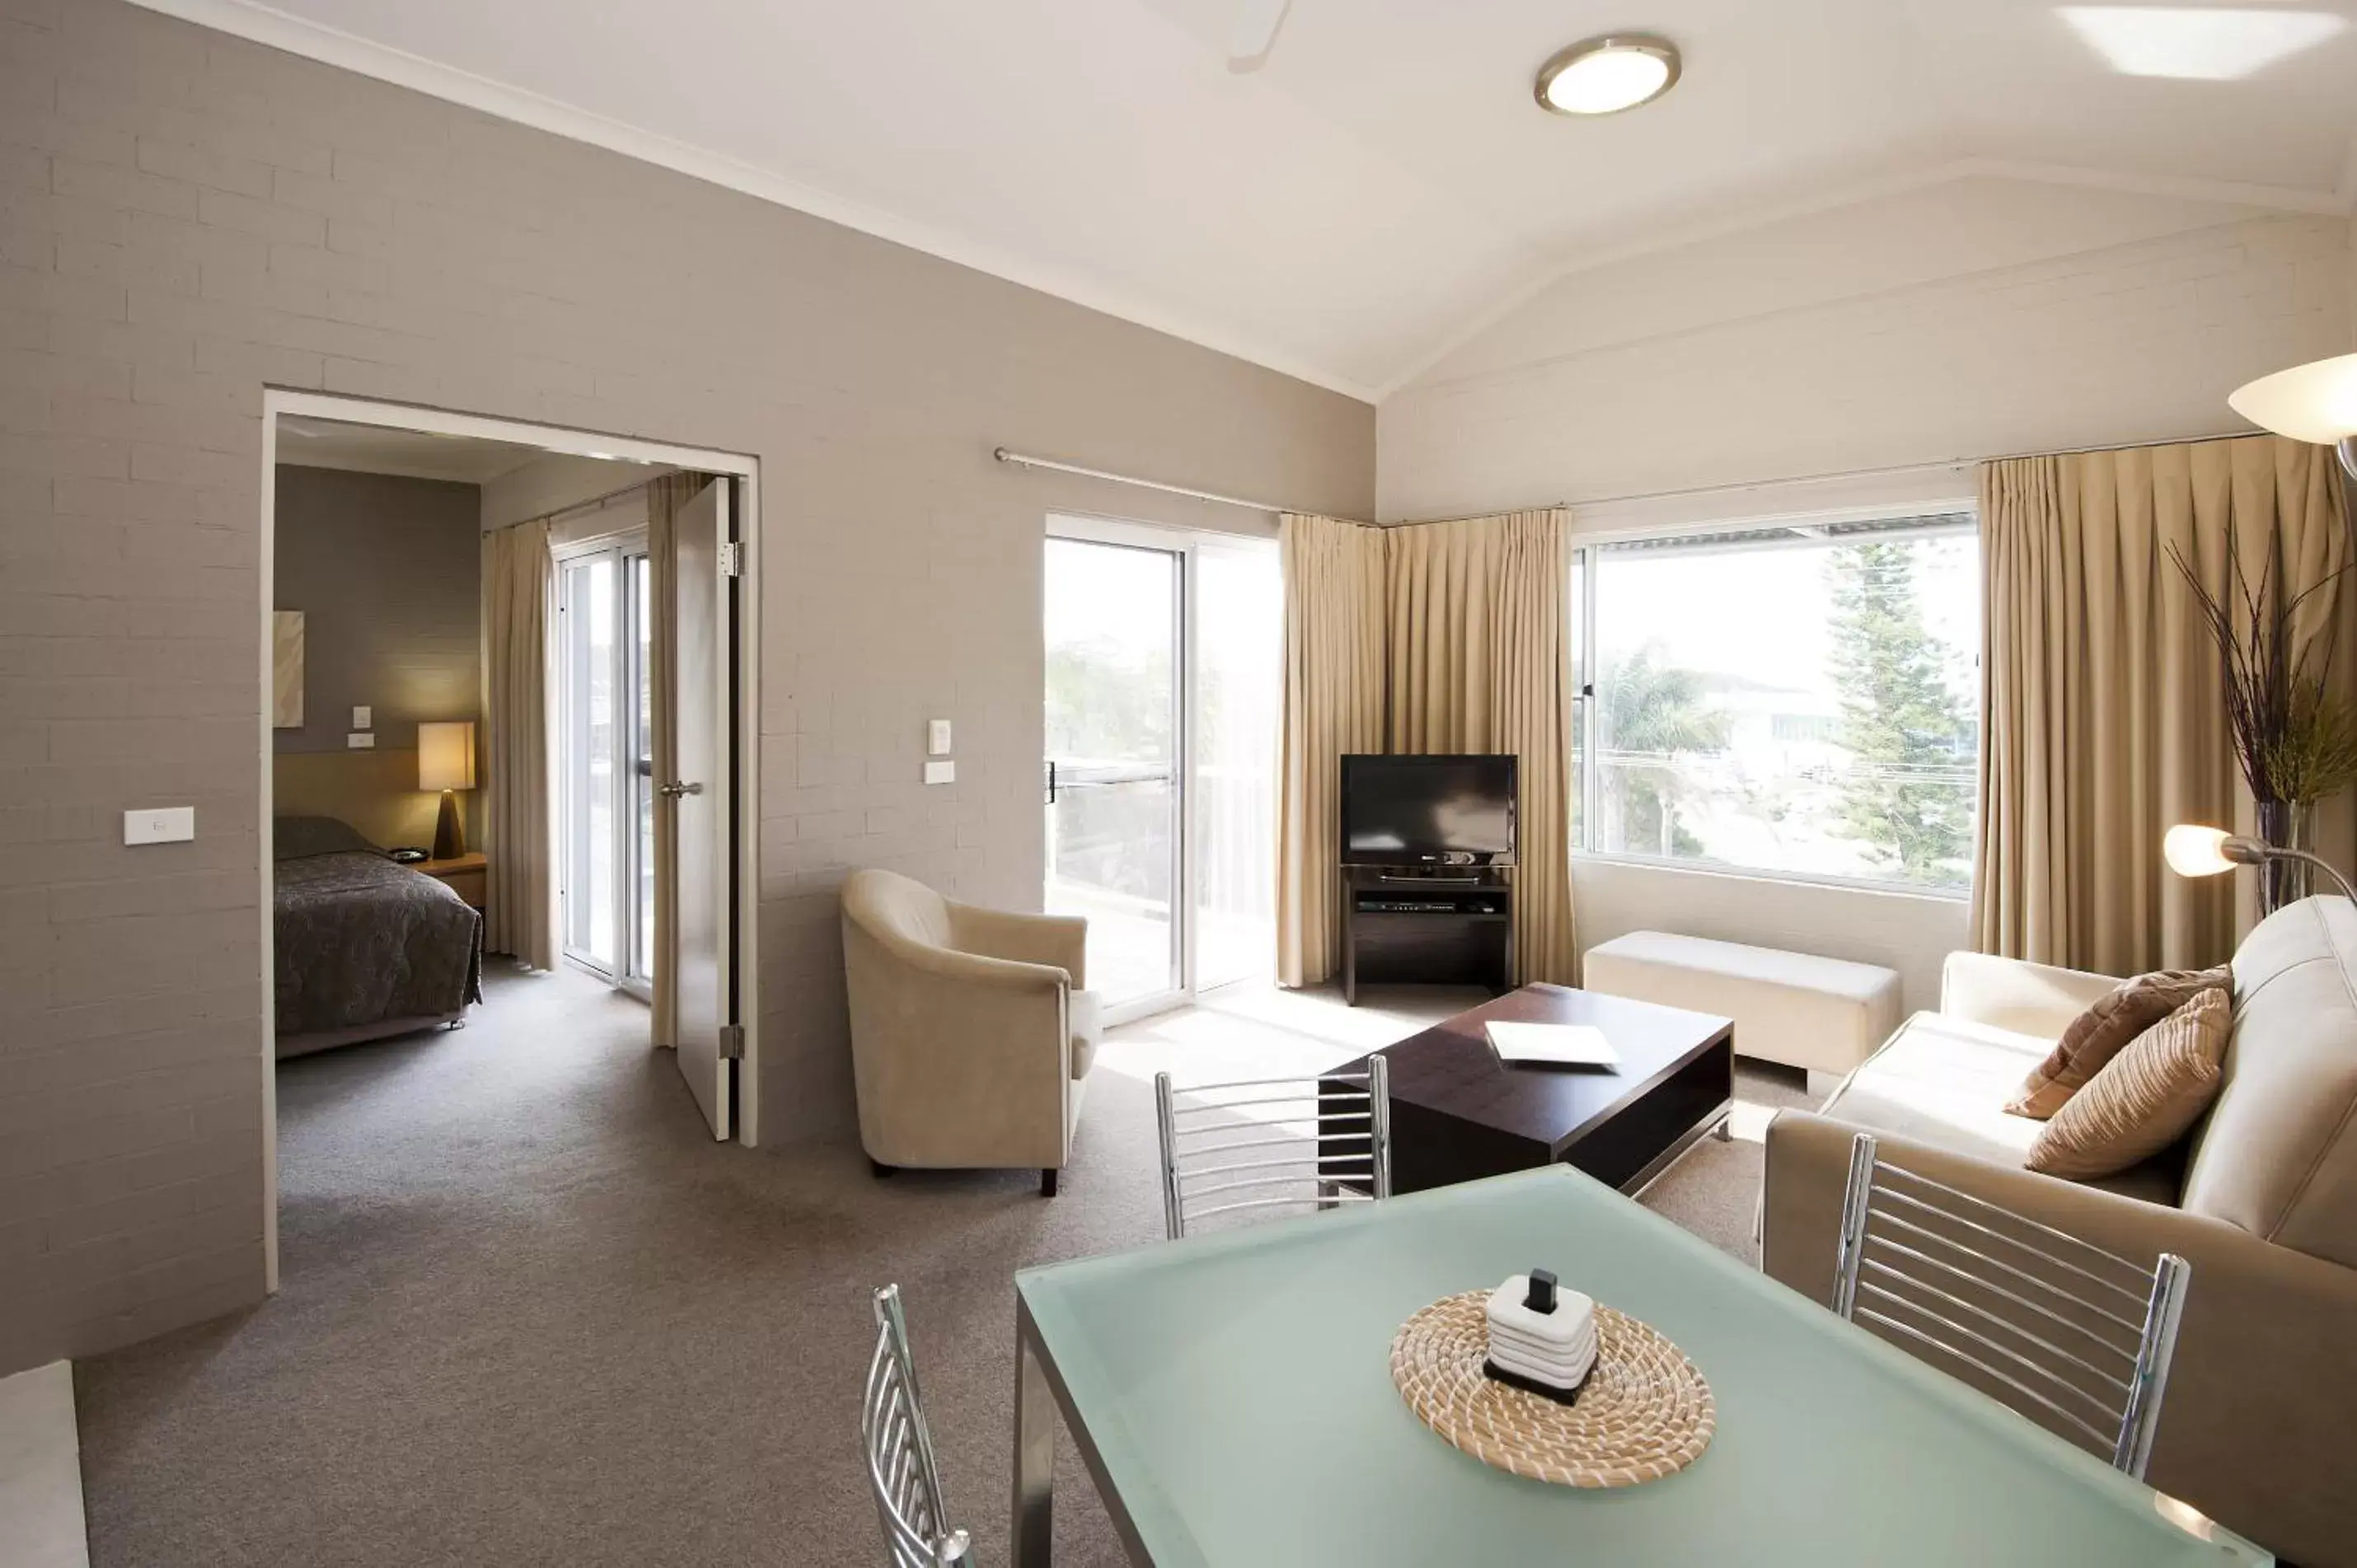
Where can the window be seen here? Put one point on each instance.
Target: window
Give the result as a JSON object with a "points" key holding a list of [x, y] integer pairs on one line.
{"points": [[1798, 700], [605, 762]]}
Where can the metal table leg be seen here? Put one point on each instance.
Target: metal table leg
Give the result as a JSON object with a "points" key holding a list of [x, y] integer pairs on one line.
{"points": [[1030, 1530]]}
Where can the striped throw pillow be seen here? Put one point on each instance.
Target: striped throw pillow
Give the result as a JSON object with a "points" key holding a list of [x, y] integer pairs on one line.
{"points": [[2144, 1099]]}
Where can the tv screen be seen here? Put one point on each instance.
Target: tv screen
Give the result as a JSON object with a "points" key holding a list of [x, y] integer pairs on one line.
{"points": [[1427, 810]]}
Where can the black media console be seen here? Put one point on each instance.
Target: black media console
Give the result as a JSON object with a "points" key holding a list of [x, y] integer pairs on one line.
{"points": [[1441, 927]]}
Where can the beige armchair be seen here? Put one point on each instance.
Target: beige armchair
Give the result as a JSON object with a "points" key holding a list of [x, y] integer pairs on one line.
{"points": [[970, 1036]]}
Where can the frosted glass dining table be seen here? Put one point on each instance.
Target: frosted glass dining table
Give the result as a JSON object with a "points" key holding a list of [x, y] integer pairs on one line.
{"points": [[1231, 1396]]}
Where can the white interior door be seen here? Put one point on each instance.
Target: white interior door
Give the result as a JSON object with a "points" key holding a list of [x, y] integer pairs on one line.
{"points": [[702, 697]]}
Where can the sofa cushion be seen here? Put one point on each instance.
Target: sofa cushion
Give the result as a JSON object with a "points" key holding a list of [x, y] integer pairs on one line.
{"points": [[2144, 1099], [1943, 1081], [2279, 1155], [2099, 1033]]}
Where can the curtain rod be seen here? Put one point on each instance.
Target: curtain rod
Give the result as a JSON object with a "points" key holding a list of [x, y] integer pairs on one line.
{"points": [[592, 504], [1898, 468], [1026, 460]]}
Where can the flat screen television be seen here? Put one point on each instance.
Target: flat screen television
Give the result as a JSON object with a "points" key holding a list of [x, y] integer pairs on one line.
{"points": [[1427, 810]]}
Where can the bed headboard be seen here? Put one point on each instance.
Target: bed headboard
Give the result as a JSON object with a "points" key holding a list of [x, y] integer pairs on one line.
{"points": [[376, 791]]}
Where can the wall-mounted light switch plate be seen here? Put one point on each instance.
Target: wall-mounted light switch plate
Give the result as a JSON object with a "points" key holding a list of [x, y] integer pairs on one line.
{"points": [[940, 772], [937, 737], [360, 740], [362, 717], [160, 824]]}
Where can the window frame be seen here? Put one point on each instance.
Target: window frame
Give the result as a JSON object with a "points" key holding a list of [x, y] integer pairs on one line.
{"points": [[1581, 598]]}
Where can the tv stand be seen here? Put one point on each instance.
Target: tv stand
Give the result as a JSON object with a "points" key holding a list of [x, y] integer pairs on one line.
{"points": [[1444, 926]]}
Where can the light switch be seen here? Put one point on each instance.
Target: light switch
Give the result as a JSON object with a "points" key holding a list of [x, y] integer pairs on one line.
{"points": [[940, 772], [160, 824], [937, 737], [362, 718], [362, 740]]}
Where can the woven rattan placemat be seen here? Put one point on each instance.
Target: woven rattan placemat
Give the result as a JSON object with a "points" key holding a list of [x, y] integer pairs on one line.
{"points": [[1644, 1412]]}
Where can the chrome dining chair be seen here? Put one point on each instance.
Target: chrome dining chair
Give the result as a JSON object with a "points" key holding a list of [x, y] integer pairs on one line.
{"points": [[899, 1446], [2083, 1334], [1331, 1138]]}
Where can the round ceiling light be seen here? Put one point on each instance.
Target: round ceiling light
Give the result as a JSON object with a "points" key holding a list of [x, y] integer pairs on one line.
{"points": [[1606, 75]]}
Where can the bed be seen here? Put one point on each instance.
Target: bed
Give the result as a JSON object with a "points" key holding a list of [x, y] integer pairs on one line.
{"points": [[365, 948]]}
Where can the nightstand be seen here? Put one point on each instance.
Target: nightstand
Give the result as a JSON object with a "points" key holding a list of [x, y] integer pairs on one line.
{"points": [[464, 874]]}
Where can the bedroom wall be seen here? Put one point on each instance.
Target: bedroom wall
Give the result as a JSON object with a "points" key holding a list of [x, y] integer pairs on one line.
{"points": [[388, 575], [184, 217]]}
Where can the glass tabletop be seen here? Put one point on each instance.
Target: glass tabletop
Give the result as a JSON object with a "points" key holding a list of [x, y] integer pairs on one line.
{"points": [[1236, 1392]]}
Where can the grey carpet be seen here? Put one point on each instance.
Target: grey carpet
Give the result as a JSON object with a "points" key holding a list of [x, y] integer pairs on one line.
{"points": [[532, 1314]]}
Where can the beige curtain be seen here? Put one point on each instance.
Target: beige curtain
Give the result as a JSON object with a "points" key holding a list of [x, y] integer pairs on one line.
{"points": [[1333, 704], [665, 496], [1476, 626], [519, 589], [2100, 688]]}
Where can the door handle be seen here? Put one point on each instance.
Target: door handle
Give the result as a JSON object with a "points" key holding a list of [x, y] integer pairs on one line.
{"points": [[673, 791]]}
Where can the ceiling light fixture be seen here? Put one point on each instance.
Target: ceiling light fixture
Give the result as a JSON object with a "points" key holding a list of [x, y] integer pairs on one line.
{"points": [[1606, 75]]}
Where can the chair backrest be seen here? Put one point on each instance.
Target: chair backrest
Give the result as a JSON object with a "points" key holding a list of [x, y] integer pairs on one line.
{"points": [[2083, 1334], [1274, 1143], [893, 908], [899, 1446]]}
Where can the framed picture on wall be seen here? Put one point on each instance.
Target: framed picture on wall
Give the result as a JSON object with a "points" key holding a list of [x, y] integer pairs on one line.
{"points": [[286, 669]]}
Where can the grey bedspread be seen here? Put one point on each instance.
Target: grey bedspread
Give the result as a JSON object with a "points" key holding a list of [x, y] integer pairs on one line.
{"points": [[361, 941]]}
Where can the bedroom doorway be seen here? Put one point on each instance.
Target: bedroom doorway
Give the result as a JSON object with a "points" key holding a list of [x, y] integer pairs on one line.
{"points": [[530, 690]]}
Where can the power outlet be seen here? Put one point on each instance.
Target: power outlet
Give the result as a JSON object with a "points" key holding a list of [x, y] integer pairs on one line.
{"points": [[940, 772]]}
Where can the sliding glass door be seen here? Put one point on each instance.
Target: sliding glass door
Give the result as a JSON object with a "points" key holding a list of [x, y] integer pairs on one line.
{"points": [[1162, 653], [605, 763]]}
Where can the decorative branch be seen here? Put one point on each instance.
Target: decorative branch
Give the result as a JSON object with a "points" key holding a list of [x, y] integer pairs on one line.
{"points": [[2293, 740]]}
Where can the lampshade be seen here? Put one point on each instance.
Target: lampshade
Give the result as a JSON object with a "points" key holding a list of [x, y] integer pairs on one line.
{"points": [[446, 755], [2194, 851], [2316, 403]]}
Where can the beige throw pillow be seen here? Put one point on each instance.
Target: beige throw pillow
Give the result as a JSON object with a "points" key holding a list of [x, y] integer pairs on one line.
{"points": [[2145, 1097], [2096, 1035]]}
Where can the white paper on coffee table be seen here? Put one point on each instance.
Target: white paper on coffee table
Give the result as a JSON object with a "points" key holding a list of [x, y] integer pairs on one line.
{"points": [[1551, 1045]]}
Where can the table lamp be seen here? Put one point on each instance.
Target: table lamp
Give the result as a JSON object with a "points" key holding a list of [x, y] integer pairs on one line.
{"points": [[446, 761], [2195, 851], [2315, 402]]}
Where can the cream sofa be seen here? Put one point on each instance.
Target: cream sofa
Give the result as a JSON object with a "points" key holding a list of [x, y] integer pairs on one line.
{"points": [[970, 1036], [2261, 1199]]}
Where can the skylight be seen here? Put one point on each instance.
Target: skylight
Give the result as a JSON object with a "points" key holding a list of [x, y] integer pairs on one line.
{"points": [[2197, 44]]}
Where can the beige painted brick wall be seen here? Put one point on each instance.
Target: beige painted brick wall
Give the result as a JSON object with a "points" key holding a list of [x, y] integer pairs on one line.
{"points": [[186, 216]]}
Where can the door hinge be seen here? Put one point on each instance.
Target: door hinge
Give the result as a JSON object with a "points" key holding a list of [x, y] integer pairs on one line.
{"points": [[732, 559], [732, 1042]]}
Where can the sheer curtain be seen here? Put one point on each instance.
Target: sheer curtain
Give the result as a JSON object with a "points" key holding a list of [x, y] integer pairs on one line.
{"points": [[1333, 704], [519, 587], [2100, 688], [1478, 629]]}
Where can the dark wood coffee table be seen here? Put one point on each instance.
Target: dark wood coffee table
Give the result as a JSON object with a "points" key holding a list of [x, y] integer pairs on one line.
{"points": [[1458, 1113]]}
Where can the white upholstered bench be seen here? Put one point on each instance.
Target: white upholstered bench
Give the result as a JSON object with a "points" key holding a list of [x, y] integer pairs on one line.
{"points": [[1826, 1014]]}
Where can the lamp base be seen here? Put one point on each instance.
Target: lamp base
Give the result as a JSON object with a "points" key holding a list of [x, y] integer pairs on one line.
{"points": [[2348, 450], [449, 829]]}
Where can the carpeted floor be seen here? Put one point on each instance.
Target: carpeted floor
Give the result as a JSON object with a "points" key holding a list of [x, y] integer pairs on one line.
{"points": [[531, 1314]]}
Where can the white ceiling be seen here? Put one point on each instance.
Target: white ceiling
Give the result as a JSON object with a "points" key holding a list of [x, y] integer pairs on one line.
{"points": [[1385, 184], [308, 443]]}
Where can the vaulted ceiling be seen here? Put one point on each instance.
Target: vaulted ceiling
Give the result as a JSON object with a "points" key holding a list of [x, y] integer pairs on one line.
{"points": [[1383, 183]]}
